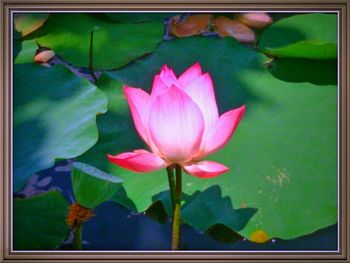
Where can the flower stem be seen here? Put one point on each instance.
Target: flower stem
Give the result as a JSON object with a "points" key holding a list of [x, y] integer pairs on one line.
{"points": [[171, 180], [177, 210], [91, 64], [77, 239]]}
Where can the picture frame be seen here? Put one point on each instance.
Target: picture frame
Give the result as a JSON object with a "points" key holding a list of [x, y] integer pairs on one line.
{"points": [[8, 7]]}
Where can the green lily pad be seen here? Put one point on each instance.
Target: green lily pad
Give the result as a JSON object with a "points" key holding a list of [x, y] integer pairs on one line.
{"points": [[91, 186], [39, 222], [26, 23], [24, 51], [281, 157], [139, 17], [54, 116], [313, 36], [114, 45]]}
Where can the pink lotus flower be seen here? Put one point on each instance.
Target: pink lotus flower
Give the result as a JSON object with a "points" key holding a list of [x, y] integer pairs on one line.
{"points": [[180, 123]]}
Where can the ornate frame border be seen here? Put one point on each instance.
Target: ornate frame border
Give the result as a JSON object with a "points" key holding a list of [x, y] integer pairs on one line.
{"points": [[340, 6]]}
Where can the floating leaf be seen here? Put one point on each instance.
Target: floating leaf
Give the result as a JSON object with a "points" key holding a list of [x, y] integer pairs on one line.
{"points": [[282, 155], [311, 36], [54, 117], [39, 221], [91, 186], [190, 26], [114, 45], [26, 23]]}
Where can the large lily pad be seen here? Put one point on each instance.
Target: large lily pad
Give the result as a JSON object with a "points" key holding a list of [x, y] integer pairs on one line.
{"points": [[312, 36], [114, 45], [39, 221], [281, 157], [54, 117]]}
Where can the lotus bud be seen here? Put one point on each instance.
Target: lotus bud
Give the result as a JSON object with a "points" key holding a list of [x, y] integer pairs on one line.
{"points": [[255, 20], [43, 55]]}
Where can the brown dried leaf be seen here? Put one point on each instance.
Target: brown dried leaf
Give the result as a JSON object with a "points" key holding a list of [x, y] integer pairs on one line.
{"points": [[25, 23], [225, 26], [78, 214], [255, 20], [192, 25]]}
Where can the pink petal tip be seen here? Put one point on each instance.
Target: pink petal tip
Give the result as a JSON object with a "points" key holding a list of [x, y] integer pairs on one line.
{"points": [[138, 161], [206, 169]]}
